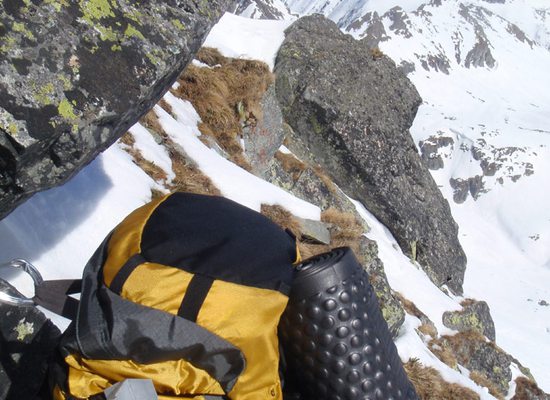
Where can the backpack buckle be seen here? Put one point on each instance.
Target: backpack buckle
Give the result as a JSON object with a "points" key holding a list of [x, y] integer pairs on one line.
{"points": [[8, 293]]}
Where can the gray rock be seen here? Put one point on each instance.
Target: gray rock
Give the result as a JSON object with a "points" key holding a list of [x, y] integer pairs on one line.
{"points": [[352, 113], [265, 9], [400, 21], [474, 316], [374, 32], [314, 231], [429, 151], [480, 55], [483, 357], [27, 343], [264, 138], [462, 187], [77, 75]]}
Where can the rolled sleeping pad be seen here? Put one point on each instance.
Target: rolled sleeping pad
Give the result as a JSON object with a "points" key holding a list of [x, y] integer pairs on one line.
{"points": [[336, 344]]}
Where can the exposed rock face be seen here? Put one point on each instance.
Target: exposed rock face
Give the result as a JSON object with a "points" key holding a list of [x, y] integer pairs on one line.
{"points": [[474, 316], [262, 139], [27, 342], [483, 357], [261, 9], [77, 75], [353, 111]]}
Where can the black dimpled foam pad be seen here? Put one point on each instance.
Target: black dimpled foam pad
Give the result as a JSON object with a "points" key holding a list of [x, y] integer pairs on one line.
{"points": [[335, 341]]}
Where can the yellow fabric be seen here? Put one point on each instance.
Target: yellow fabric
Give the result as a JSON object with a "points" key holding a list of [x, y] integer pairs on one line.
{"points": [[126, 239], [247, 317], [58, 393], [172, 379], [157, 286], [298, 255]]}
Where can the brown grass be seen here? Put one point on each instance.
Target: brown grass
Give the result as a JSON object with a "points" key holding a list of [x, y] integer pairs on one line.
{"points": [[282, 217], [189, 178], [442, 351], [150, 168], [211, 56], [410, 307], [482, 380], [526, 389], [345, 229], [325, 179], [151, 122], [291, 164], [165, 106], [429, 384], [225, 97], [376, 53], [428, 329]]}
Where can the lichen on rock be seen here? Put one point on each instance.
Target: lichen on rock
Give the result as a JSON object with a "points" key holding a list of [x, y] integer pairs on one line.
{"points": [[77, 74]]}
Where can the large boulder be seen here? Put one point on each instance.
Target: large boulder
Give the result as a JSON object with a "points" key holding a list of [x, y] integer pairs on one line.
{"points": [[77, 75], [352, 109]]}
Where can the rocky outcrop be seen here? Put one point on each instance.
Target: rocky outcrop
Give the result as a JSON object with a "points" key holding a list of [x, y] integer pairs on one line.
{"points": [[352, 111], [27, 342], [77, 75], [483, 358], [474, 316]]}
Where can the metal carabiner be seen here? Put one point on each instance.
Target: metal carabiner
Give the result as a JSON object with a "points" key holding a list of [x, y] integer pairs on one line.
{"points": [[8, 293]]}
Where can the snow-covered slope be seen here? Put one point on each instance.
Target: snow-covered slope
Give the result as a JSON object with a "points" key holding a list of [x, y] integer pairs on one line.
{"points": [[482, 70]]}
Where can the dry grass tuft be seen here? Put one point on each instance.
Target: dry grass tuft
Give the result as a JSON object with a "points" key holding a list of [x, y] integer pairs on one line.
{"points": [[410, 307], [428, 329], [429, 384], [210, 56], [189, 178], [325, 179], [482, 380], [226, 97], [154, 171], [376, 53], [291, 164], [526, 389], [442, 351], [127, 139], [345, 229], [151, 122], [165, 106], [282, 217]]}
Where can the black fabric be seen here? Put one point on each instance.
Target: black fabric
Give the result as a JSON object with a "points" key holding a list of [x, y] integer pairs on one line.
{"points": [[124, 272], [54, 296], [219, 238], [109, 327], [194, 297]]}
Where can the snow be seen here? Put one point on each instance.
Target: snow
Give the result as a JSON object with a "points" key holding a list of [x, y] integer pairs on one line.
{"points": [[240, 37], [505, 232]]}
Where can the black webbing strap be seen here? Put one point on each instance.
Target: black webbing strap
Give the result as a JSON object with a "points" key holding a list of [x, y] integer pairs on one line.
{"points": [[194, 297], [54, 296], [125, 271]]}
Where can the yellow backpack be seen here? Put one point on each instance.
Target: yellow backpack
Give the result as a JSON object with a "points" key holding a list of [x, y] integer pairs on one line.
{"points": [[187, 291]]}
